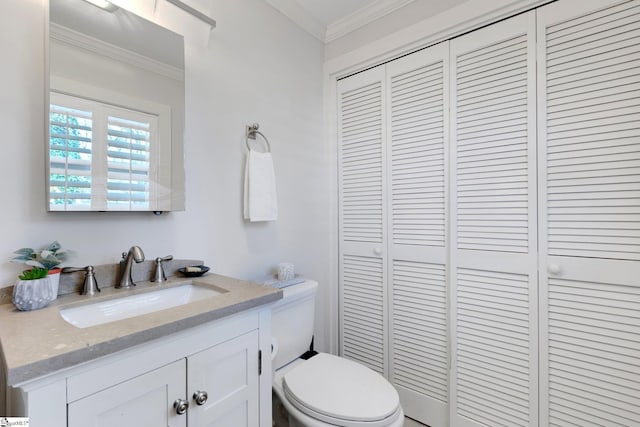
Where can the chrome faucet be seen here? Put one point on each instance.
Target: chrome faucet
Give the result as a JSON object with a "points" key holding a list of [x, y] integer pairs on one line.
{"points": [[135, 254]]}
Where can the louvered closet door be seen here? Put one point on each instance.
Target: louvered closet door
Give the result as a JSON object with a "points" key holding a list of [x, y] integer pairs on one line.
{"points": [[589, 149], [361, 133], [493, 226], [417, 126]]}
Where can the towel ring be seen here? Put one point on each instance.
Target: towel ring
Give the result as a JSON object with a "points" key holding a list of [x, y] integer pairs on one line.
{"points": [[252, 131]]}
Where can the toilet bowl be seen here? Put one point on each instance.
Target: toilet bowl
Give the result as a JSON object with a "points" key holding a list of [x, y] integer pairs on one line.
{"points": [[323, 390]]}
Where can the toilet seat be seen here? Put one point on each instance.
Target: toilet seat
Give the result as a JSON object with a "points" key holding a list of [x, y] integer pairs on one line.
{"points": [[341, 392]]}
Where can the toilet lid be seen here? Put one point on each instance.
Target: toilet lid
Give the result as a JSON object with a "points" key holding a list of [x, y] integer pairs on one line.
{"points": [[340, 391]]}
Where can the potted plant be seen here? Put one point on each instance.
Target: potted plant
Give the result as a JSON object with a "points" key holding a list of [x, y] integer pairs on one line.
{"points": [[33, 289], [48, 258]]}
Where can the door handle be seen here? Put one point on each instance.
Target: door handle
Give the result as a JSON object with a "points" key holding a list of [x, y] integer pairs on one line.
{"points": [[554, 269]]}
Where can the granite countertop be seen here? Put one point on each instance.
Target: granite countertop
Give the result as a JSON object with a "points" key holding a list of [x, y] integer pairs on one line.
{"points": [[40, 342]]}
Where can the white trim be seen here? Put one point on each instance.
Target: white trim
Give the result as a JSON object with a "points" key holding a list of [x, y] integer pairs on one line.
{"points": [[444, 26], [94, 93], [292, 10], [343, 26], [330, 134], [362, 17], [83, 41]]}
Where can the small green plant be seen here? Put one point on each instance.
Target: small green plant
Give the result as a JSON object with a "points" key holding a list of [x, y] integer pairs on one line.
{"points": [[34, 273], [49, 257]]}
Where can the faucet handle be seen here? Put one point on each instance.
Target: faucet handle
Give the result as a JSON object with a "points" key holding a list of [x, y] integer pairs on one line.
{"points": [[158, 272], [90, 284], [74, 269]]}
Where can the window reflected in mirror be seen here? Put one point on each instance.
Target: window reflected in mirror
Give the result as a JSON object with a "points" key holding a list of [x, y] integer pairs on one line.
{"points": [[88, 138], [116, 111]]}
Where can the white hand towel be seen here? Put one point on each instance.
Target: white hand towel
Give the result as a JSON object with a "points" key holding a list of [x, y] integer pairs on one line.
{"points": [[260, 201]]}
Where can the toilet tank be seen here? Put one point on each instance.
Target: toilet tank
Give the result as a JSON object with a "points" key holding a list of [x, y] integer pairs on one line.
{"points": [[292, 322]]}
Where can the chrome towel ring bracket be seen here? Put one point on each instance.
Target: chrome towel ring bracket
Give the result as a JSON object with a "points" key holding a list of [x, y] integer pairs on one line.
{"points": [[252, 131]]}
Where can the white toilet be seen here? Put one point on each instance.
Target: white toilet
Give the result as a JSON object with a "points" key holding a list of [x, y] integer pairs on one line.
{"points": [[324, 390]]}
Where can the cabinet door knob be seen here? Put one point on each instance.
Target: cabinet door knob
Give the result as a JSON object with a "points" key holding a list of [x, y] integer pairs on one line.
{"points": [[554, 269], [377, 251], [200, 397], [181, 406]]}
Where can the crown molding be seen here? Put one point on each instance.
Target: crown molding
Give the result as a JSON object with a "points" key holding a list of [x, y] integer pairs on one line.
{"points": [[292, 10], [449, 23], [362, 17], [82, 41], [359, 18]]}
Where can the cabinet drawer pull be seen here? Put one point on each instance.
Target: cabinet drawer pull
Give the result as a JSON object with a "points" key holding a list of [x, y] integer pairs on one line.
{"points": [[200, 397], [181, 406]]}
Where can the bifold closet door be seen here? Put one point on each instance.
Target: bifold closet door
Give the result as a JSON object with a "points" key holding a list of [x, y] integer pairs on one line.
{"points": [[417, 129], [362, 217], [493, 263], [589, 149]]}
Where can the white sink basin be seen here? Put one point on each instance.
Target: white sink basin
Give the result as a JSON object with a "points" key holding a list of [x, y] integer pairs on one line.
{"points": [[135, 305]]}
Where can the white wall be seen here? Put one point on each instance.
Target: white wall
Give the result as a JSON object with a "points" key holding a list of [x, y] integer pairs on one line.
{"points": [[257, 66]]}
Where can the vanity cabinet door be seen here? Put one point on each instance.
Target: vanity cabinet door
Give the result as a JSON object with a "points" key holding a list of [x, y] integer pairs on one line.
{"points": [[228, 374], [146, 400]]}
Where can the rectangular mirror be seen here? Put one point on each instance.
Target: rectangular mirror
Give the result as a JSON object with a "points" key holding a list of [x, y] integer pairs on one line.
{"points": [[116, 117]]}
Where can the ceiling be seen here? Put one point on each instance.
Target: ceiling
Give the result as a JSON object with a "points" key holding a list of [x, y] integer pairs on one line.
{"points": [[328, 20]]}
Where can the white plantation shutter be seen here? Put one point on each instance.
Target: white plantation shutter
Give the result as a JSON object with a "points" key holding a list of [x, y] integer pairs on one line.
{"points": [[493, 247], [361, 133], [90, 140], [70, 155], [589, 150], [130, 163], [417, 93]]}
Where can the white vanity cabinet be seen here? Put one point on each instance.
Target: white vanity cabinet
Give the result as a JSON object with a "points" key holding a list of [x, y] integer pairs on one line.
{"points": [[215, 368], [221, 386]]}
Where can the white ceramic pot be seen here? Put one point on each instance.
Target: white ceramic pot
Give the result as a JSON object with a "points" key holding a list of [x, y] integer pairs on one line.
{"points": [[32, 294], [54, 275]]}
